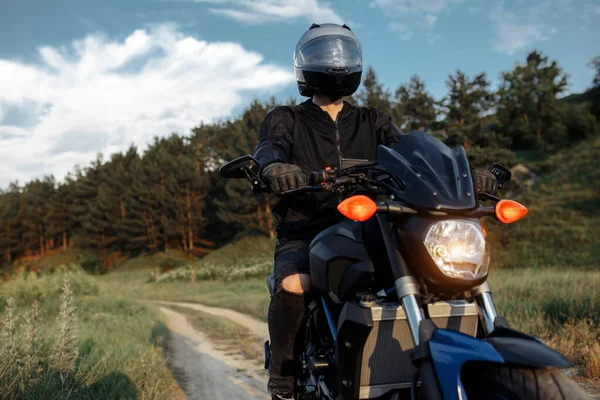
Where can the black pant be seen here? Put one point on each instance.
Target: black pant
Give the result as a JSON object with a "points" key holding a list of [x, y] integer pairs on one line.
{"points": [[286, 312]]}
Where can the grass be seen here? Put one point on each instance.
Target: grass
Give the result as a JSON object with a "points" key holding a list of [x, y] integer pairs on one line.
{"points": [[249, 296], [563, 224], [152, 260], [88, 344], [224, 333], [561, 306], [245, 258]]}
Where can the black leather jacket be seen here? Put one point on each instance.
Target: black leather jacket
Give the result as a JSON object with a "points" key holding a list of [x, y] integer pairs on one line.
{"points": [[306, 136]]}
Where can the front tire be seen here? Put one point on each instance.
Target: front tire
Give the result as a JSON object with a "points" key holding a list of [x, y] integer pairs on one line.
{"points": [[487, 381]]}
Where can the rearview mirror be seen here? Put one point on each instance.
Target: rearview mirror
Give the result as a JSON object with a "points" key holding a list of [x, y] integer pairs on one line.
{"points": [[236, 169], [502, 174]]}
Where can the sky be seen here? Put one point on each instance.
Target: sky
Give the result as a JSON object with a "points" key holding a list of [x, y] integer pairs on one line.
{"points": [[78, 78]]}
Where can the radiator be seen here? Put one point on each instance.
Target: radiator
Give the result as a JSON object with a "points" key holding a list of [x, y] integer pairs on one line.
{"points": [[385, 362]]}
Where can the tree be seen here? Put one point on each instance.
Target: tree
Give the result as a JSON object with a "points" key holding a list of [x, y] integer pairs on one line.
{"points": [[595, 89], [528, 106], [88, 223], [36, 224], [467, 103], [236, 205], [373, 93], [415, 106], [59, 215], [10, 222]]}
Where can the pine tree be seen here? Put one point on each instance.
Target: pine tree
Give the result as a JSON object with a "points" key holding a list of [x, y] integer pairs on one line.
{"points": [[87, 218], [59, 214], [373, 93], [236, 205], [595, 89], [10, 222], [36, 224], [415, 105], [467, 103], [528, 108], [120, 178]]}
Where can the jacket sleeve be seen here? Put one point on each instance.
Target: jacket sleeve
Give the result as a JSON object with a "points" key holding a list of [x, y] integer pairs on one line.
{"points": [[386, 129], [275, 137]]}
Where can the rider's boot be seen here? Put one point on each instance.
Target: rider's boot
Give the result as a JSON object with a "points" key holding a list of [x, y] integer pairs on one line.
{"points": [[286, 312]]}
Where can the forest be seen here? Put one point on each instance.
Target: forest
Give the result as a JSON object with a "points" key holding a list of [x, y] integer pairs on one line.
{"points": [[171, 197]]}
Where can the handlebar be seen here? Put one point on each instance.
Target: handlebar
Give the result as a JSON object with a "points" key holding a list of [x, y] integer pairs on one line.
{"points": [[335, 180]]}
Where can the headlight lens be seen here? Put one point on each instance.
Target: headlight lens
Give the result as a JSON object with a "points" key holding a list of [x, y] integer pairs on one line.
{"points": [[458, 248]]}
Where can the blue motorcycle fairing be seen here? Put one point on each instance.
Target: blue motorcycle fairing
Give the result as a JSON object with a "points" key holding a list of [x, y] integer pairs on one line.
{"points": [[451, 349]]}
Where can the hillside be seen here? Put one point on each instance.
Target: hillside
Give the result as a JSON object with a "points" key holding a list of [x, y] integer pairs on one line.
{"points": [[563, 224], [249, 256]]}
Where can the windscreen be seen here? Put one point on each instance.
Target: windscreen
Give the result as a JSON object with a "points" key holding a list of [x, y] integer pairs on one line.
{"points": [[329, 51], [436, 176]]}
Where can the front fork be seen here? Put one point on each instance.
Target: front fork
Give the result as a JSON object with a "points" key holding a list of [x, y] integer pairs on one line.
{"points": [[485, 307], [407, 290]]}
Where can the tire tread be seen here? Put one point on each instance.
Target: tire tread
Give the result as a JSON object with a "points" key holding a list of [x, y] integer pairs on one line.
{"points": [[481, 381]]}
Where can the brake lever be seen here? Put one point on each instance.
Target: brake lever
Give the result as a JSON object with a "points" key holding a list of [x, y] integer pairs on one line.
{"points": [[258, 186], [307, 189]]}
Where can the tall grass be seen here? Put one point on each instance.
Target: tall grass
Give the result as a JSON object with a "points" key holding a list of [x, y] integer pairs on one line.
{"points": [[62, 336], [559, 305]]}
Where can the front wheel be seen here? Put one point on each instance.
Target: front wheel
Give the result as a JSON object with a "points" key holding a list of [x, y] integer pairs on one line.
{"points": [[489, 381]]}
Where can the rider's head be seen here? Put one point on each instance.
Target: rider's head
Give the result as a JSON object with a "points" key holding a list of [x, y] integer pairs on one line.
{"points": [[328, 60]]}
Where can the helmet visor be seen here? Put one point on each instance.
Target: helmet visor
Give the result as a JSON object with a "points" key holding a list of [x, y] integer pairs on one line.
{"points": [[329, 51]]}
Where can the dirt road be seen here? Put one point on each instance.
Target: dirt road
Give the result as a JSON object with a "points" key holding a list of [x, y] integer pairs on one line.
{"points": [[255, 327], [205, 372]]}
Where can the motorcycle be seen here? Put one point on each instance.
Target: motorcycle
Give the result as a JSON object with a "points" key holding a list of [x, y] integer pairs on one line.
{"points": [[400, 305]]}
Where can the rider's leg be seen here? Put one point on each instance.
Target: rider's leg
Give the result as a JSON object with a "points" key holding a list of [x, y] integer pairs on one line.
{"points": [[286, 311]]}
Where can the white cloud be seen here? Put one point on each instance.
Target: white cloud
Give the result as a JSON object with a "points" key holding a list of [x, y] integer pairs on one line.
{"points": [[99, 95], [262, 11], [403, 7], [430, 20], [421, 14], [405, 32], [513, 33]]}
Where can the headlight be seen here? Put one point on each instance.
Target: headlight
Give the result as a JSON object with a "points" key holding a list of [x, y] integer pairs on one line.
{"points": [[458, 248]]}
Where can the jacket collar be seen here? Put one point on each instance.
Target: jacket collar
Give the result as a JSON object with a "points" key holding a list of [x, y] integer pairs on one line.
{"points": [[318, 112]]}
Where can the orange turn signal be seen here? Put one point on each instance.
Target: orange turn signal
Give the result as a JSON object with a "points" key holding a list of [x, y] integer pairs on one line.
{"points": [[358, 208], [509, 211]]}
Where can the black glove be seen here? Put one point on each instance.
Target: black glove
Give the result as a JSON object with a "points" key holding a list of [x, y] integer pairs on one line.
{"points": [[283, 177], [485, 181]]}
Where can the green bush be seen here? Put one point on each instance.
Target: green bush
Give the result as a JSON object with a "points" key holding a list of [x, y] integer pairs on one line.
{"points": [[91, 264], [46, 287], [482, 157], [168, 263], [580, 122]]}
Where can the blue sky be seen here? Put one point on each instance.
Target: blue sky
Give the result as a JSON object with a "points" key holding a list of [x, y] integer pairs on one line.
{"points": [[81, 77]]}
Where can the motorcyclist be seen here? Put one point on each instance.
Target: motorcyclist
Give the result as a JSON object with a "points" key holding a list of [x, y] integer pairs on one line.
{"points": [[294, 141]]}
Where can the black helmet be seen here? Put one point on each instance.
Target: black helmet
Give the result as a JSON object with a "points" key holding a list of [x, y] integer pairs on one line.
{"points": [[328, 59]]}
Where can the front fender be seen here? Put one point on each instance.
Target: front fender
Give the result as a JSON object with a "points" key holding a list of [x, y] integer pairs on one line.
{"points": [[524, 350], [447, 351]]}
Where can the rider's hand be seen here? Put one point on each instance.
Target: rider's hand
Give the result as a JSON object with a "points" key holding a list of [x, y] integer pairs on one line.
{"points": [[283, 177], [485, 181]]}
